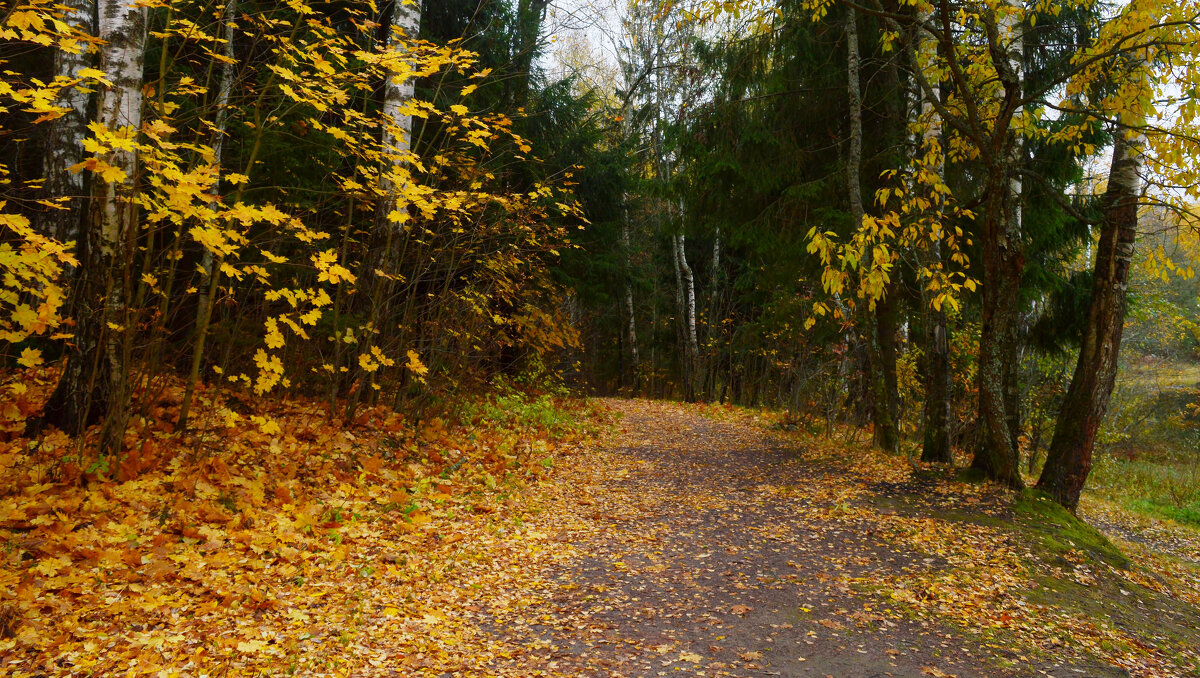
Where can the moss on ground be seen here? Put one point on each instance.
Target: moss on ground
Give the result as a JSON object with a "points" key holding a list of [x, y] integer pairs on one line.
{"points": [[1060, 532]]}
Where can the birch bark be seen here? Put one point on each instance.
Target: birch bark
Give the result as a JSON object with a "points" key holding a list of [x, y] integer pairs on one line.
{"points": [[204, 310], [64, 145], [94, 384], [686, 298], [398, 91], [630, 319]]}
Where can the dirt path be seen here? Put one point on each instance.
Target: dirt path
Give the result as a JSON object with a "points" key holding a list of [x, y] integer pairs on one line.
{"points": [[705, 548]]}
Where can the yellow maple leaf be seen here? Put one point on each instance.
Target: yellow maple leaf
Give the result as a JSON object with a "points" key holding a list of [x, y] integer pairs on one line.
{"points": [[30, 357]]}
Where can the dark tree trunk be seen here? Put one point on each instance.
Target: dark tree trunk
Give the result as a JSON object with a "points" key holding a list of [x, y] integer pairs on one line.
{"points": [[1003, 262], [880, 337], [530, 16], [886, 312], [1070, 457], [935, 445]]}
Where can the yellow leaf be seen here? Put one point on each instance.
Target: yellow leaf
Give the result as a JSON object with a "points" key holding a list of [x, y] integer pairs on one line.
{"points": [[251, 646], [30, 357], [415, 365], [110, 174]]}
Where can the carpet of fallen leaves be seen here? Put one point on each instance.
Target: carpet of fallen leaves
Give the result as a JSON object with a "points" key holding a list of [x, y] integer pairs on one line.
{"points": [[691, 540], [266, 543]]}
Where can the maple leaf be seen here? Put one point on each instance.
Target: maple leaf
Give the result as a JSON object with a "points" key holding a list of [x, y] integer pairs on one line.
{"points": [[30, 357], [51, 566]]}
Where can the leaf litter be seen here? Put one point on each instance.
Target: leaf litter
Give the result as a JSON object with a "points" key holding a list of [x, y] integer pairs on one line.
{"points": [[690, 540]]}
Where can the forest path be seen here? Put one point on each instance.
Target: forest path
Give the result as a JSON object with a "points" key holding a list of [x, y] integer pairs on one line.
{"points": [[712, 548]]}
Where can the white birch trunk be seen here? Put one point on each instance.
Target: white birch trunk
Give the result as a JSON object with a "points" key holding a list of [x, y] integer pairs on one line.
{"points": [[689, 291], [1012, 30], [1012, 36], [222, 107], [627, 253], [397, 132], [64, 145], [205, 306], [123, 29], [226, 90], [687, 300], [631, 325]]}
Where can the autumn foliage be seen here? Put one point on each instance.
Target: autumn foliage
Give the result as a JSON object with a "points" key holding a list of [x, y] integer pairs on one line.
{"points": [[351, 263]]}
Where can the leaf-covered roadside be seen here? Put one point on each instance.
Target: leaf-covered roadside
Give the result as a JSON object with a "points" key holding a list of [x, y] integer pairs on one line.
{"points": [[291, 546], [1013, 569]]}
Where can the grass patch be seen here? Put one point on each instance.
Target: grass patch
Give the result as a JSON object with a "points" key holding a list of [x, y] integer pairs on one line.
{"points": [[549, 412], [1189, 514], [1162, 488]]}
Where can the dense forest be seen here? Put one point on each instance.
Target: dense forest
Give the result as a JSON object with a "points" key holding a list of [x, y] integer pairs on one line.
{"points": [[966, 230], [911, 217]]}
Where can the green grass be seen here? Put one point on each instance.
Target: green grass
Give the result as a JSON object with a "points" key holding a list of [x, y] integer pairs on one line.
{"points": [[1189, 514], [1163, 488], [514, 408]]}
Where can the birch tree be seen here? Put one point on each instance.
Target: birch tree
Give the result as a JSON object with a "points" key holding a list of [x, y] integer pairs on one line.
{"points": [[94, 384], [1070, 456], [205, 307], [64, 145]]}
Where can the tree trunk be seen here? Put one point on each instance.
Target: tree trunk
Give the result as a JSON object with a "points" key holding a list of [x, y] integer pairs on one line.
{"points": [[713, 321], [64, 146], [398, 93], [886, 310], [886, 436], [1003, 262], [935, 443], [530, 16], [1070, 457], [94, 385], [630, 319], [686, 296]]}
